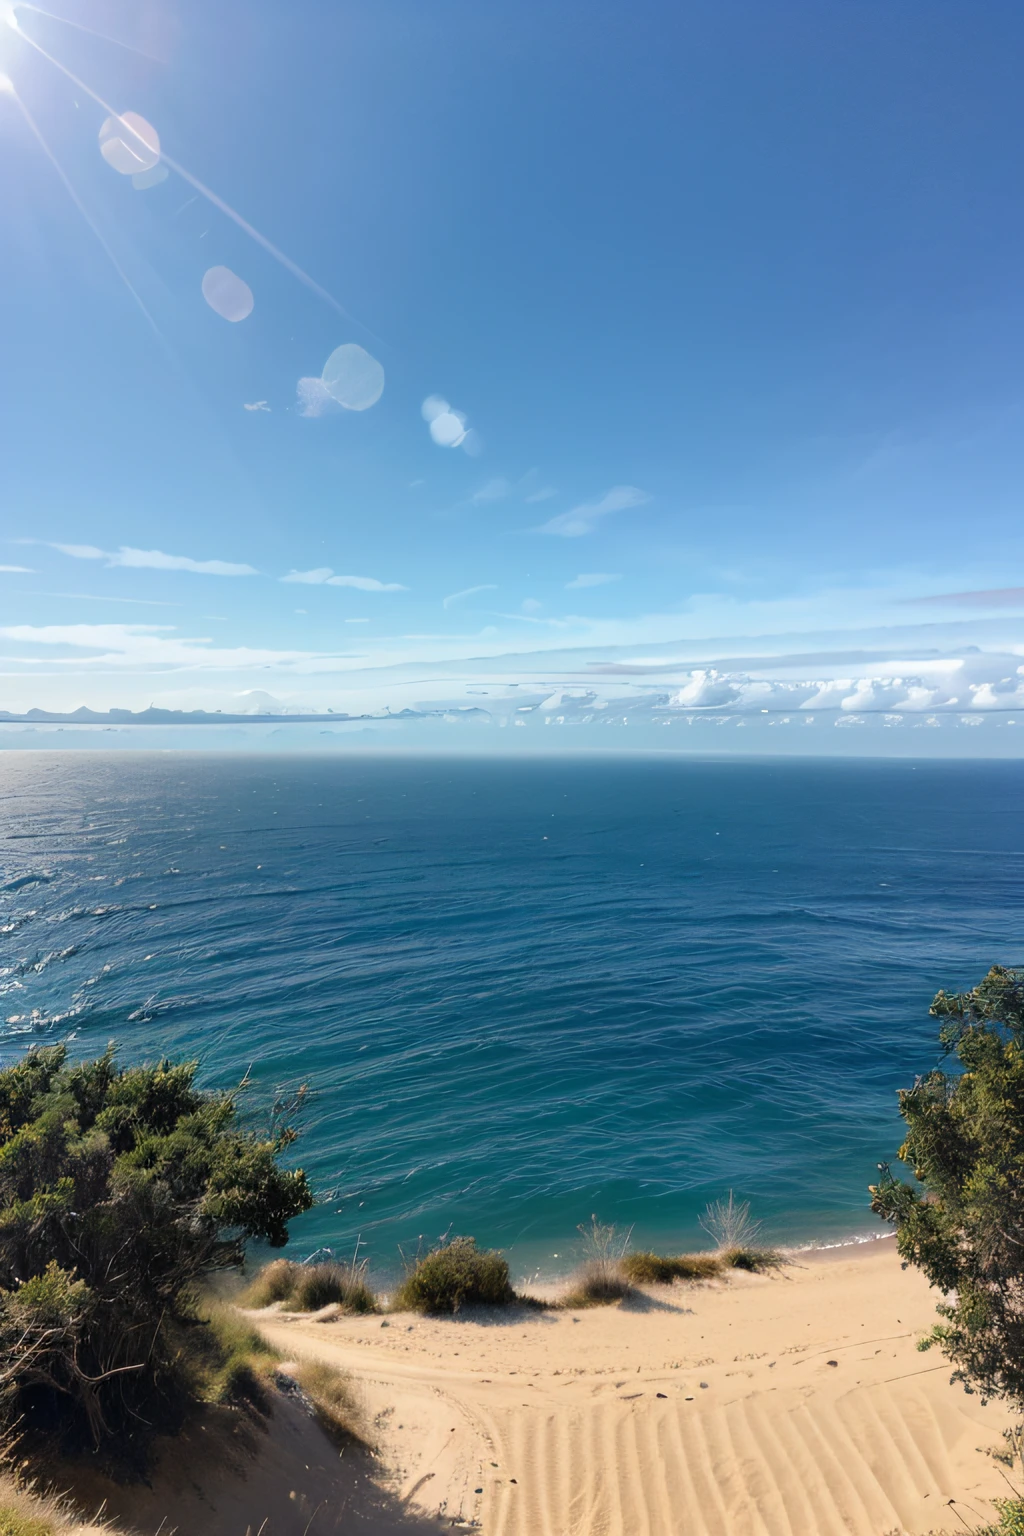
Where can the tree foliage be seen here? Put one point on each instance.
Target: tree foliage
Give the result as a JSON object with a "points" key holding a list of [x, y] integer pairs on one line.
{"points": [[964, 1225], [121, 1190]]}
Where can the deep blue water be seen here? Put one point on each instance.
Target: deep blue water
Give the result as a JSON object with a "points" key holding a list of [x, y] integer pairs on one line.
{"points": [[524, 992]]}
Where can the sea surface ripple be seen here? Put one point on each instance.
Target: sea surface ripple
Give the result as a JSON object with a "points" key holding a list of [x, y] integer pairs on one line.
{"points": [[523, 992]]}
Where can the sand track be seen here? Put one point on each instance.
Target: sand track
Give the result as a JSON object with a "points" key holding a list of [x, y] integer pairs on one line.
{"points": [[786, 1406]]}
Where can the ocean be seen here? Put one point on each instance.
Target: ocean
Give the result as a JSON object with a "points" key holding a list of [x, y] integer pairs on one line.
{"points": [[522, 993]]}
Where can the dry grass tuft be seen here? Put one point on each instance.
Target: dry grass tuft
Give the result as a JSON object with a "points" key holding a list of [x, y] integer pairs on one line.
{"points": [[24, 1511], [601, 1278], [18, 1522], [756, 1260], [596, 1284], [658, 1269], [308, 1287]]}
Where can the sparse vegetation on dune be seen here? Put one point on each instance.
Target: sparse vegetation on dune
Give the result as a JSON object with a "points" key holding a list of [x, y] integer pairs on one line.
{"points": [[334, 1401], [224, 1360], [662, 1269], [454, 1275], [308, 1287], [610, 1269]]}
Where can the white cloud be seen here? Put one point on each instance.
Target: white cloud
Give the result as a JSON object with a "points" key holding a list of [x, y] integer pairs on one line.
{"points": [[366, 584], [585, 518], [531, 605], [310, 578], [24, 569], [494, 490], [454, 597], [154, 560], [314, 399], [590, 579], [323, 576], [256, 405], [544, 494]]}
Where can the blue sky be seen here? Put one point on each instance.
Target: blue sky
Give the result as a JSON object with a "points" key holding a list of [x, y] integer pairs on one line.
{"points": [[727, 297]]}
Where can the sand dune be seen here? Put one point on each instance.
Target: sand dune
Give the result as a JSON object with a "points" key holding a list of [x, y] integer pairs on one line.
{"points": [[795, 1405]]}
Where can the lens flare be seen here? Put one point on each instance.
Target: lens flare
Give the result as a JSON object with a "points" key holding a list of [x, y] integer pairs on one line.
{"points": [[353, 378], [227, 294], [129, 144], [86, 215]]}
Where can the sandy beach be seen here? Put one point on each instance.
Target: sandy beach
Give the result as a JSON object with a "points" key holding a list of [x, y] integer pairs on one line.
{"points": [[792, 1404], [789, 1405]]}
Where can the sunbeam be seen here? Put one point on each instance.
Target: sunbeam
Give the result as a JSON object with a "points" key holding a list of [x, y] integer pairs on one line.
{"points": [[193, 181], [81, 26], [8, 89]]}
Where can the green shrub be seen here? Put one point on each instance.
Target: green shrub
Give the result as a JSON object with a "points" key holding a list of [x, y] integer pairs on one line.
{"points": [[962, 1223], [453, 1276], [121, 1191], [1010, 1522]]}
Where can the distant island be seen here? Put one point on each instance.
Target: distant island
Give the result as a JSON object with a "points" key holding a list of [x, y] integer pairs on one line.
{"points": [[154, 716]]}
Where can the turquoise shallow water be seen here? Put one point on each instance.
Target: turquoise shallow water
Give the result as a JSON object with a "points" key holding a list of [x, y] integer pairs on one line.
{"points": [[524, 992]]}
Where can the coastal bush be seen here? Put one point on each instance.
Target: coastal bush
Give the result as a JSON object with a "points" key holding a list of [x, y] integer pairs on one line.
{"points": [[1010, 1522], [963, 1223], [308, 1287], [454, 1275], [121, 1191]]}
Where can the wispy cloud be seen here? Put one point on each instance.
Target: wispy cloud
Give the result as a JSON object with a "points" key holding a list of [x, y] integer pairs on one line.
{"points": [[25, 570], [256, 405], [544, 494], [154, 560], [531, 605], [494, 490], [323, 576], [996, 597], [454, 597], [590, 579], [149, 646], [585, 518]]}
